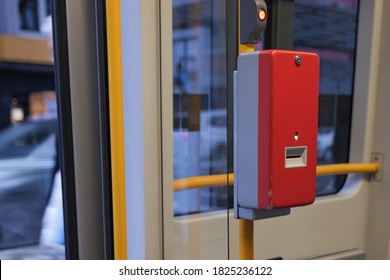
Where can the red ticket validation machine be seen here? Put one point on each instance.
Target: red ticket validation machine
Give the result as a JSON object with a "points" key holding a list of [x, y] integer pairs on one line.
{"points": [[276, 120]]}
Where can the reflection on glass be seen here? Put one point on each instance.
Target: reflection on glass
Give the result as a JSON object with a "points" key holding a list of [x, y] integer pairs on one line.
{"points": [[31, 217], [328, 27], [200, 120]]}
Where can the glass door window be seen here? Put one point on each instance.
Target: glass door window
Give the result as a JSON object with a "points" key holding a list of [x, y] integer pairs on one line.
{"points": [[199, 101], [31, 215]]}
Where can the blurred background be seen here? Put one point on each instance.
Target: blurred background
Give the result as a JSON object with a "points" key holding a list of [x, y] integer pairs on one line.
{"points": [[30, 184]]}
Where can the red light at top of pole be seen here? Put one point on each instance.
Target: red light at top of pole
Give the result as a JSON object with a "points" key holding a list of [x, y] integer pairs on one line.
{"points": [[262, 14]]}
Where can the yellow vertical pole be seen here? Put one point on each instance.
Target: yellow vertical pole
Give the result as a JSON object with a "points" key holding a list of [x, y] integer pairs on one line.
{"points": [[245, 226], [114, 53], [246, 239]]}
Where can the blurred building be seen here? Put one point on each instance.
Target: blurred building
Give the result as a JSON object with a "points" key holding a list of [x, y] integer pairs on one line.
{"points": [[26, 65]]}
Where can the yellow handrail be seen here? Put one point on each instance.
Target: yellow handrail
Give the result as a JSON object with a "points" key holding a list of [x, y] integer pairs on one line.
{"points": [[203, 181], [344, 168], [221, 180]]}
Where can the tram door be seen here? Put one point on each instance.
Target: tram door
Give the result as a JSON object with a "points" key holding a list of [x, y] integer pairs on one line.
{"points": [[202, 38], [178, 60]]}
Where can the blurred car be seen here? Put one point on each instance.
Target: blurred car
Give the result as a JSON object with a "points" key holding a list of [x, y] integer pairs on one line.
{"points": [[27, 163], [214, 146], [325, 142], [201, 152]]}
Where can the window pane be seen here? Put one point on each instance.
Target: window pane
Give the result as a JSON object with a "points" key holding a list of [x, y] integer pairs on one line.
{"points": [[200, 120], [328, 27], [31, 217], [200, 125]]}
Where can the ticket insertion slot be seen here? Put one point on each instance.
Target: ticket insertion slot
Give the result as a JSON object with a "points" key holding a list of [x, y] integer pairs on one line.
{"points": [[295, 157]]}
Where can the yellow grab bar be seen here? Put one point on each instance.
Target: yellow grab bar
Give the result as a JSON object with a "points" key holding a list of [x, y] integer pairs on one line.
{"points": [[344, 168], [203, 181], [221, 180]]}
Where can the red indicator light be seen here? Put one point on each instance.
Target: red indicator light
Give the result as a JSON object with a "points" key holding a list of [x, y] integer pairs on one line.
{"points": [[262, 14]]}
